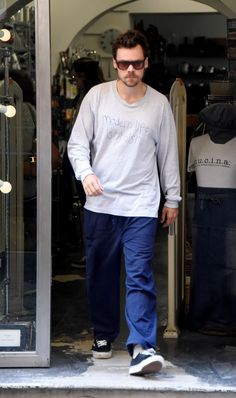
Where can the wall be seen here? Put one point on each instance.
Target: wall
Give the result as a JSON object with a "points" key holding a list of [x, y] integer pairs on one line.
{"points": [[164, 6], [91, 38], [73, 16]]}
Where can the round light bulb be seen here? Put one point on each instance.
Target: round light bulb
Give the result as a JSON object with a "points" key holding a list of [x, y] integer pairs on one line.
{"points": [[6, 187], [5, 35], [11, 111]]}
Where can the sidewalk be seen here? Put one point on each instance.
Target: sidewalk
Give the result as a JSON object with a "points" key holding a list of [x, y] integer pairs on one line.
{"points": [[194, 364]]}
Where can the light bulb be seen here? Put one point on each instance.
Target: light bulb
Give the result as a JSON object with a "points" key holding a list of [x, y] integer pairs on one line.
{"points": [[11, 111], [5, 35], [8, 110], [5, 186]]}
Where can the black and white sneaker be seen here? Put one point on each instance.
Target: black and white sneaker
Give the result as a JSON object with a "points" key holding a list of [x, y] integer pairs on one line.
{"points": [[101, 349], [145, 362]]}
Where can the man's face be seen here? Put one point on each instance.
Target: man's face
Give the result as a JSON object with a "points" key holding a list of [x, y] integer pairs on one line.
{"points": [[131, 76]]}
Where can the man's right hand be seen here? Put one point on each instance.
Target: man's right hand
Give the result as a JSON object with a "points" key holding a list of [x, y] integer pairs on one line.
{"points": [[92, 185]]}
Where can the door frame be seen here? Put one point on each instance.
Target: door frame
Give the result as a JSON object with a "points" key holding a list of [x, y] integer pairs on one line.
{"points": [[41, 356]]}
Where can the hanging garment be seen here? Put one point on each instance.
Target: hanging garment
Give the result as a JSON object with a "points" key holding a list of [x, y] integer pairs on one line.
{"points": [[213, 278]]}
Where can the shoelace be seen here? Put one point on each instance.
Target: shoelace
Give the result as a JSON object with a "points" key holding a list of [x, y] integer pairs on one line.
{"points": [[101, 343], [149, 351]]}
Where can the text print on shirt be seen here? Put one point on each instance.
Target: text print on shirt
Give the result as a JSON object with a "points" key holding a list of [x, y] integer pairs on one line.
{"points": [[212, 162], [117, 129]]}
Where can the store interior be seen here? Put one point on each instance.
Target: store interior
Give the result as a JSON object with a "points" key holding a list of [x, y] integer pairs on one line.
{"points": [[182, 45], [201, 59]]}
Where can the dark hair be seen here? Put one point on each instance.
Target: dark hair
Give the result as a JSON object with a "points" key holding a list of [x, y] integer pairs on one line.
{"points": [[130, 39], [90, 68], [23, 79]]}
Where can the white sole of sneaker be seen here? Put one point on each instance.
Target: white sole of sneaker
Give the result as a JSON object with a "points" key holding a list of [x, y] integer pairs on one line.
{"points": [[150, 365], [102, 355]]}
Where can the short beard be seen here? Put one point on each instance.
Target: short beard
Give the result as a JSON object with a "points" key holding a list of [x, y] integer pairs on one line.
{"points": [[134, 84]]}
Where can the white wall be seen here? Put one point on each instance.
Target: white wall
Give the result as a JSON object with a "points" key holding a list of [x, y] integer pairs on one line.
{"points": [[91, 38], [72, 16], [164, 6], [68, 17]]}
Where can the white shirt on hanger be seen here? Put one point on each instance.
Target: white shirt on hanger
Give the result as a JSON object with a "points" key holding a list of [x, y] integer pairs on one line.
{"points": [[214, 164]]}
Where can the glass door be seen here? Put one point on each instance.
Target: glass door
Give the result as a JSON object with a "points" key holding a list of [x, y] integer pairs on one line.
{"points": [[25, 184]]}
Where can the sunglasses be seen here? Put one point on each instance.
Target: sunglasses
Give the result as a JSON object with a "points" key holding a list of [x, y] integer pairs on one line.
{"points": [[123, 65]]}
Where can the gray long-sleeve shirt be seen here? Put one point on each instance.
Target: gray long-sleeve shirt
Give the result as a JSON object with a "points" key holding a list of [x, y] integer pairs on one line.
{"points": [[122, 144]]}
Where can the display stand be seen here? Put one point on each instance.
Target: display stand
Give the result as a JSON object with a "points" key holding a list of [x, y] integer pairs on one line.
{"points": [[176, 235]]}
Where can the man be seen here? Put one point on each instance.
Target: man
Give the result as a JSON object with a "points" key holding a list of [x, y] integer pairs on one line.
{"points": [[123, 130]]}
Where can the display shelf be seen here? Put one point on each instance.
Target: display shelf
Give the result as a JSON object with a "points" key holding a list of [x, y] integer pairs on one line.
{"points": [[231, 48], [22, 45]]}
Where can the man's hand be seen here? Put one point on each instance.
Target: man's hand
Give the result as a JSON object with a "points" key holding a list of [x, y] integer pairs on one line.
{"points": [[168, 216], [92, 185]]}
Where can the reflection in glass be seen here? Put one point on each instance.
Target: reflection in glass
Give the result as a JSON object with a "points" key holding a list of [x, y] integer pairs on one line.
{"points": [[18, 167]]}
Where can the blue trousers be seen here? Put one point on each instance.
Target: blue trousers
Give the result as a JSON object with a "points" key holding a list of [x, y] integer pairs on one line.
{"points": [[107, 238]]}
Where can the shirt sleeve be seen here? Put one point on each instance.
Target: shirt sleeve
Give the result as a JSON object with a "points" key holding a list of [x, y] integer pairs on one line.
{"points": [[167, 158], [79, 143]]}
